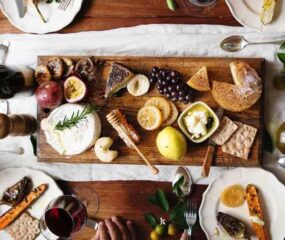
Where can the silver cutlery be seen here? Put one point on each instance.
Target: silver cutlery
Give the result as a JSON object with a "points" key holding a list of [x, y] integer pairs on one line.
{"points": [[4, 47], [281, 161], [64, 4], [237, 43], [21, 8], [190, 216]]}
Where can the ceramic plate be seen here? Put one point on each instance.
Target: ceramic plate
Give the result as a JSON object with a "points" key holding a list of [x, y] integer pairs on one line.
{"points": [[31, 23], [10, 176], [272, 194], [246, 12]]}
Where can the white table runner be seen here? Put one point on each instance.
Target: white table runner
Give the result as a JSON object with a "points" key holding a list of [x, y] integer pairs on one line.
{"points": [[147, 40]]}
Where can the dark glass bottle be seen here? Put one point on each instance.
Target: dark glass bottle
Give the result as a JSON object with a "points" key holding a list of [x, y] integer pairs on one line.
{"points": [[13, 80]]}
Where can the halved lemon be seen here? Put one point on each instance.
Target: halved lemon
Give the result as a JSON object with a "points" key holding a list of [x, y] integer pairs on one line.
{"points": [[149, 117], [233, 196], [161, 104]]}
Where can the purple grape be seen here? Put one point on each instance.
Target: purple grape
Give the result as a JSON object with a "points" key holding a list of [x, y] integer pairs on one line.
{"points": [[174, 99], [161, 91], [163, 83], [165, 90], [174, 81], [167, 95], [170, 88], [155, 69], [159, 86], [168, 78], [152, 80], [173, 94]]}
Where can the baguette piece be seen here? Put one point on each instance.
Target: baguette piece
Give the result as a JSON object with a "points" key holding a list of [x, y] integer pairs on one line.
{"points": [[255, 212], [14, 212]]}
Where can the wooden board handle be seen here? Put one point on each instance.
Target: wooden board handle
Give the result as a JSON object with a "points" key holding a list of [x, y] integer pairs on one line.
{"points": [[208, 161]]}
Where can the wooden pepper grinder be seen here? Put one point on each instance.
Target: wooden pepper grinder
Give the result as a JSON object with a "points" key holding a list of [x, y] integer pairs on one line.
{"points": [[17, 125]]}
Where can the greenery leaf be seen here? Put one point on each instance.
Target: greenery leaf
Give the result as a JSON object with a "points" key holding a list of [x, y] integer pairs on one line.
{"points": [[34, 144], [176, 187], [171, 5], [281, 57], [178, 211], [150, 219], [282, 45], [161, 200], [268, 142], [152, 200]]}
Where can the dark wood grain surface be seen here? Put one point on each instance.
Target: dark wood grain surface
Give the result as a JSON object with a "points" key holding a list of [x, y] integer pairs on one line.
{"points": [[109, 14], [218, 69], [129, 199]]}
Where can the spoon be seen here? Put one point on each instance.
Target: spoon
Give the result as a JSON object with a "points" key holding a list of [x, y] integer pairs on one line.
{"points": [[281, 162], [237, 43]]}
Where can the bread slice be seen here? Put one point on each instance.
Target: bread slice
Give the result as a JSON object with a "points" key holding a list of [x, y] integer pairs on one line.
{"points": [[255, 212], [241, 96], [118, 77], [200, 80]]}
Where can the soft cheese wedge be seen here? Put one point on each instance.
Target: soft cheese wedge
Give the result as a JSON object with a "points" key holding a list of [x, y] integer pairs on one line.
{"points": [[267, 12], [74, 140]]}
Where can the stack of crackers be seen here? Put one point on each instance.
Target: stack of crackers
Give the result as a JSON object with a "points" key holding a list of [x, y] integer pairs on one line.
{"points": [[235, 138]]}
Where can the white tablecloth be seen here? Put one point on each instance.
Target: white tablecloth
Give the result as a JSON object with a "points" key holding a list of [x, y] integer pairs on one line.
{"points": [[148, 40]]}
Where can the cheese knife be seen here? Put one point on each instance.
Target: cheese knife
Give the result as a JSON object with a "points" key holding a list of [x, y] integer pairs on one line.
{"points": [[4, 47], [211, 149], [21, 8]]}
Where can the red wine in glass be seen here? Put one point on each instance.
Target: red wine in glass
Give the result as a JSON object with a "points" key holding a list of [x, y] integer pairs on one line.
{"points": [[64, 217]]}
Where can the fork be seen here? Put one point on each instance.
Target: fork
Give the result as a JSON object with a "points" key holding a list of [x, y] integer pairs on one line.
{"points": [[64, 4], [190, 216]]}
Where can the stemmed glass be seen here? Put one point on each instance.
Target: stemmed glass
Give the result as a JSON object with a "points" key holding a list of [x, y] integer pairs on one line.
{"points": [[67, 215], [203, 6]]}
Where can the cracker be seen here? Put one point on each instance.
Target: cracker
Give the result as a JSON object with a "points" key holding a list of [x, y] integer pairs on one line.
{"points": [[225, 131], [24, 228], [241, 142]]}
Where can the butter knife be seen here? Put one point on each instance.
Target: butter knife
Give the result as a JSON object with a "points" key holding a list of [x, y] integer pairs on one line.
{"points": [[211, 149], [21, 8], [4, 47]]}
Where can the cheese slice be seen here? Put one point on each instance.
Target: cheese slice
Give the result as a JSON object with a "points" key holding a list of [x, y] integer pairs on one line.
{"points": [[76, 139]]}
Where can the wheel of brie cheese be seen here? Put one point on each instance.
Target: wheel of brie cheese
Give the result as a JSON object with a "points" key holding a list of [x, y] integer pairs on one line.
{"points": [[74, 140]]}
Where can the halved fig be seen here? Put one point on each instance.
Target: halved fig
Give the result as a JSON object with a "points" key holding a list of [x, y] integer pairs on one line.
{"points": [[88, 68], [42, 74], [56, 67], [74, 89], [68, 65]]}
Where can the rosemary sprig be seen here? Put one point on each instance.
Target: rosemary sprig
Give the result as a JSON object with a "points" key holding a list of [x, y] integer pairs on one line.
{"points": [[75, 118]]}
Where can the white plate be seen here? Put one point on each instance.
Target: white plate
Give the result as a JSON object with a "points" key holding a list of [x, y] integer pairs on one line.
{"points": [[10, 176], [272, 196], [31, 23], [246, 12]]}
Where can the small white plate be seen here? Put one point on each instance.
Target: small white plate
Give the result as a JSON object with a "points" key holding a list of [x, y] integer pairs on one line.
{"points": [[246, 12], [31, 23], [272, 194], [10, 176]]}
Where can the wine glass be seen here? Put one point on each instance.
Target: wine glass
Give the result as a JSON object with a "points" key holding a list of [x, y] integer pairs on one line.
{"points": [[200, 7], [67, 215]]}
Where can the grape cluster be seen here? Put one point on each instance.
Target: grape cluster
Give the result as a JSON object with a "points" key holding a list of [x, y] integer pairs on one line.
{"points": [[171, 85]]}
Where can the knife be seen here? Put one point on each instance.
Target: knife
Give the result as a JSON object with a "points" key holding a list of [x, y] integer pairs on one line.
{"points": [[21, 8], [211, 149], [4, 47]]}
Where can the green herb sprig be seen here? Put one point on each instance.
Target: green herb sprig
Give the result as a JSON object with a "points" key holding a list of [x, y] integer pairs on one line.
{"points": [[75, 118]]}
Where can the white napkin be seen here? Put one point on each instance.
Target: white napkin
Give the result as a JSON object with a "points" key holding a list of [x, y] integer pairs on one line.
{"points": [[146, 40]]}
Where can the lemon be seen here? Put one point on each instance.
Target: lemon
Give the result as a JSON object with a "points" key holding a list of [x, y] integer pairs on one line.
{"points": [[162, 104], [149, 117], [171, 143], [160, 229], [154, 236], [172, 230]]}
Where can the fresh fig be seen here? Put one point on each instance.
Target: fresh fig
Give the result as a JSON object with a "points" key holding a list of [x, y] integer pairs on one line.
{"points": [[74, 89]]}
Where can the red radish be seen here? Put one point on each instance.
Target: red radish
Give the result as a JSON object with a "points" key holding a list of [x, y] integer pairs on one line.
{"points": [[49, 94], [74, 89]]}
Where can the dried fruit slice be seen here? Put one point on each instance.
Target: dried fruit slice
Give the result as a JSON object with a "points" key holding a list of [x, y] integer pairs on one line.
{"points": [[42, 74], [161, 104], [149, 117], [233, 196], [74, 89], [138, 85], [172, 117]]}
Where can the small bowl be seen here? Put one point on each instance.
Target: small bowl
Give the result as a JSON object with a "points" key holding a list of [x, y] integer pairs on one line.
{"points": [[210, 131]]}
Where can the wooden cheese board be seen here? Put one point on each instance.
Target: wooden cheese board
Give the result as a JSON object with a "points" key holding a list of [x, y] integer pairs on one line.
{"points": [[129, 199], [218, 70]]}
